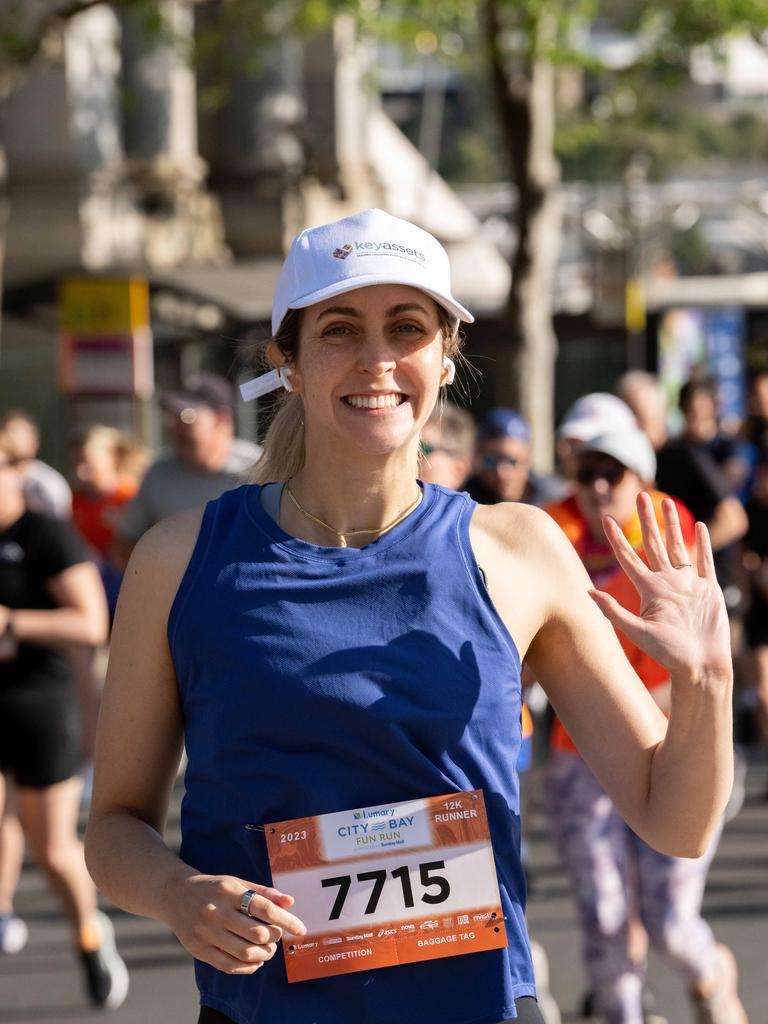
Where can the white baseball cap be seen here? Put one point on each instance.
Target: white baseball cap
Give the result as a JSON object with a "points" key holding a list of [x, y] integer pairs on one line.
{"points": [[368, 248], [596, 414], [629, 447]]}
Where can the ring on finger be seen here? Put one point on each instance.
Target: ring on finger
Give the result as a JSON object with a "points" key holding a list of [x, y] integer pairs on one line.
{"points": [[683, 565], [245, 902]]}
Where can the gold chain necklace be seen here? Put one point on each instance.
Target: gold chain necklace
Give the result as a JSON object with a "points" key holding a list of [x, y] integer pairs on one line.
{"points": [[350, 533]]}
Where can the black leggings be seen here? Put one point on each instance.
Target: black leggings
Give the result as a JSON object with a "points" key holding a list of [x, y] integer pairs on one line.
{"points": [[527, 1013]]}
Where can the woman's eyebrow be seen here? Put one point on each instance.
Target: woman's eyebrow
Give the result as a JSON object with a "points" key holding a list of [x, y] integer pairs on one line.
{"points": [[340, 311], [404, 307]]}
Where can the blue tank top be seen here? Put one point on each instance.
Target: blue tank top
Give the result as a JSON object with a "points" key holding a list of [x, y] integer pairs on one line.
{"points": [[318, 679]]}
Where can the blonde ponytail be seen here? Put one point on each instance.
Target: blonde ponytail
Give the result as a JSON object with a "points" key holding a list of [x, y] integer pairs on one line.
{"points": [[283, 447], [283, 453]]}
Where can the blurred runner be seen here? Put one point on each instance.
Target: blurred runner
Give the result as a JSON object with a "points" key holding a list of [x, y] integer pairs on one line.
{"points": [[590, 416], [447, 446], [107, 466], [615, 874], [504, 468], [50, 598], [704, 469], [755, 561], [689, 470], [205, 457], [700, 404], [756, 425], [45, 489], [644, 395]]}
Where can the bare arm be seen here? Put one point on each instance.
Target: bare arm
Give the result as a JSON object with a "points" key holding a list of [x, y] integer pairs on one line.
{"points": [[138, 746], [670, 781], [81, 617], [729, 523], [121, 552]]}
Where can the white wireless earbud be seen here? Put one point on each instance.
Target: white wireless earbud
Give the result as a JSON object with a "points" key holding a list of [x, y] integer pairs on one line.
{"points": [[450, 366], [267, 382]]}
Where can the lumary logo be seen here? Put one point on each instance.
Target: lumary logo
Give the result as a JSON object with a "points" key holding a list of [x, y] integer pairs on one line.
{"points": [[384, 812], [342, 252]]}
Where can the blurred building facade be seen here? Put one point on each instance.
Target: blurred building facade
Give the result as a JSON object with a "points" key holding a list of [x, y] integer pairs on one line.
{"points": [[114, 168], [115, 165]]}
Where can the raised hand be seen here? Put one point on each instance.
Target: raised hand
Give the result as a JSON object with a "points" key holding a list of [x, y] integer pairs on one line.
{"points": [[682, 623]]}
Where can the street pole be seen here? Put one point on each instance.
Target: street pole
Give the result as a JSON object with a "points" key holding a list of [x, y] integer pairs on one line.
{"points": [[635, 180]]}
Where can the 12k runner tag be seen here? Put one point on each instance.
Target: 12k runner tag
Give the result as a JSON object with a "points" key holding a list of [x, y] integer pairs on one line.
{"points": [[385, 885]]}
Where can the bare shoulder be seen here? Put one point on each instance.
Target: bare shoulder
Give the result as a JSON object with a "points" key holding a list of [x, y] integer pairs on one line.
{"points": [[160, 558], [530, 566], [517, 530]]}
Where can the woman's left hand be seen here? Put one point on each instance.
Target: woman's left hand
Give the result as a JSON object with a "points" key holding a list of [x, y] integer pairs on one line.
{"points": [[682, 623]]}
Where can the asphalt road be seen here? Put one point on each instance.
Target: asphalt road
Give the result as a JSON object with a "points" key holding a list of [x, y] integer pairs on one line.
{"points": [[42, 983]]}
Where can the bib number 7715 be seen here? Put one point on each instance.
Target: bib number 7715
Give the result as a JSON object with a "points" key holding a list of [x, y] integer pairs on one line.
{"points": [[379, 879], [388, 884]]}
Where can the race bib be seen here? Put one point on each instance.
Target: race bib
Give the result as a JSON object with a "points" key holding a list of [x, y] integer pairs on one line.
{"points": [[385, 885]]}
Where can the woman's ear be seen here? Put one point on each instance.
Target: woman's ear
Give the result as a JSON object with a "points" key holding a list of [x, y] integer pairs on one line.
{"points": [[275, 355], [449, 371], [277, 359]]}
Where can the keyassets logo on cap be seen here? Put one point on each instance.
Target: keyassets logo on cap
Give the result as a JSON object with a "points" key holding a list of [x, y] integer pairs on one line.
{"points": [[377, 247]]}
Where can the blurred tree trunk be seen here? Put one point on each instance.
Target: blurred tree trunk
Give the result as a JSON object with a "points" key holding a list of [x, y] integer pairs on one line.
{"points": [[524, 90]]}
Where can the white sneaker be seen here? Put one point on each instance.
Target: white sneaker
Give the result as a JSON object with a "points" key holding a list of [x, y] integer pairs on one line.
{"points": [[723, 1005], [106, 976], [547, 1005], [13, 934]]}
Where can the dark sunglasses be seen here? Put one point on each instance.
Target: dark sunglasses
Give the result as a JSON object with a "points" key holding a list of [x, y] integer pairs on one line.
{"points": [[494, 461], [611, 474]]}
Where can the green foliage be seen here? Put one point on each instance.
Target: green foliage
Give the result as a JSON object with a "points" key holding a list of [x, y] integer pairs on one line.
{"points": [[690, 252], [670, 139], [646, 108], [13, 40], [639, 109]]}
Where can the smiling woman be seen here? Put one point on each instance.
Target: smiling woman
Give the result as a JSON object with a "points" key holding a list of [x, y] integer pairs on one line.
{"points": [[337, 326], [324, 639]]}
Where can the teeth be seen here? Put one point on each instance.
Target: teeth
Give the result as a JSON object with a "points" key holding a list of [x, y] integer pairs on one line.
{"points": [[373, 401]]}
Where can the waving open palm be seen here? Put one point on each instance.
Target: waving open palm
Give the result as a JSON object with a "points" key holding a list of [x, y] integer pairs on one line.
{"points": [[682, 623]]}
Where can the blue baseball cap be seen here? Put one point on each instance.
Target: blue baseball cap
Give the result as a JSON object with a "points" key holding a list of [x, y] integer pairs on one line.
{"points": [[501, 422]]}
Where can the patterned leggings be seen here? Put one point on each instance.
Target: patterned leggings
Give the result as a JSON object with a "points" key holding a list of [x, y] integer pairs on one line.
{"points": [[615, 876]]}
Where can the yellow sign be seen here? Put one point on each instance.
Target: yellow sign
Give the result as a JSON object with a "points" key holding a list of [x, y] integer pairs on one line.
{"points": [[95, 306], [634, 308]]}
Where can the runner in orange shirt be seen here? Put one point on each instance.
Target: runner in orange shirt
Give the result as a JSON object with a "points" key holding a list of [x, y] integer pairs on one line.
{"points": [[615, 874], [107, 465]]}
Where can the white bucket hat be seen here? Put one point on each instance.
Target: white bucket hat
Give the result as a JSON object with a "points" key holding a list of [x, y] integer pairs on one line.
{"points": [[368, 248]]}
